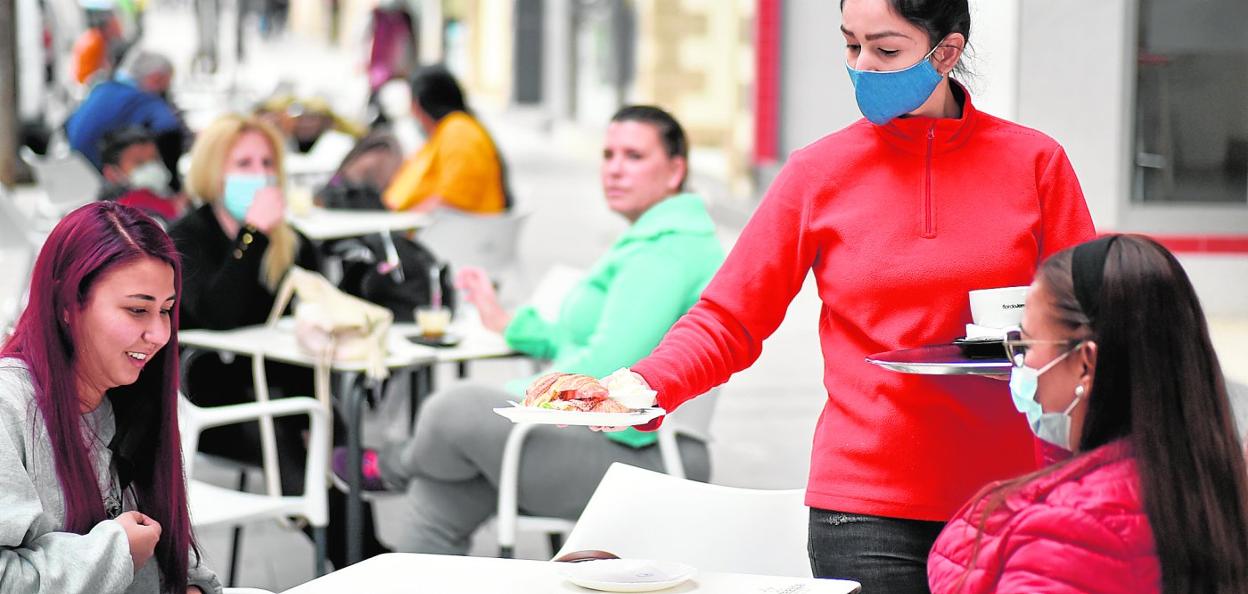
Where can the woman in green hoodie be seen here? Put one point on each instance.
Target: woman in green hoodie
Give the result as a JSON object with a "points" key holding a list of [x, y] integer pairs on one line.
{"points": [[449, 468]]}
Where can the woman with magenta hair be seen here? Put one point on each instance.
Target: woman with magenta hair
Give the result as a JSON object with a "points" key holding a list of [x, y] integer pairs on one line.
{"points": [[94, 497]]}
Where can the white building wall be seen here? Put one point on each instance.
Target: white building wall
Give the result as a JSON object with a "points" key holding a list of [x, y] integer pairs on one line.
{"points": [[1075, 85], [816, 97]]}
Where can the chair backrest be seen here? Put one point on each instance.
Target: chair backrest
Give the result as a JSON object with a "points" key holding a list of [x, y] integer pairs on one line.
{"points": [[18, 250], [192, 420], [69, 180], [553, 287], [487, 241], [694, 417], [711, 527], [1238, 393]]}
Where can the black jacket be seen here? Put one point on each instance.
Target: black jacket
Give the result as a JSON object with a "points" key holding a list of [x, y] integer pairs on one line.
{"points": [[221, 277]]}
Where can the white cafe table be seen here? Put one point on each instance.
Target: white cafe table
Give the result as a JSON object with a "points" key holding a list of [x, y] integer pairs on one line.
{"points": [[445, 574], [476, 341], [277, 343], [322, 224]]}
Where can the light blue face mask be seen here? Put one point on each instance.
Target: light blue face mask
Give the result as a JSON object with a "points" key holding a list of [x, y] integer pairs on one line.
{"points": [[240, 192], [1052, 427], [883, 96]]}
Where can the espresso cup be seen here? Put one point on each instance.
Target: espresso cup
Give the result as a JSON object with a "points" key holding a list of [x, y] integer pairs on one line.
{"points": [[433, 322], [998, 308]]}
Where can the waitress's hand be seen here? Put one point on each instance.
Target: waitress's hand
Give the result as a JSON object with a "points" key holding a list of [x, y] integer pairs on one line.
{"points": [[267, 210], [479, 291]]}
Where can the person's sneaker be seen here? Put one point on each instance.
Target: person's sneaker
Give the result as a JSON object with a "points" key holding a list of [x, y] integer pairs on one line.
{"points": [[369, 467]]}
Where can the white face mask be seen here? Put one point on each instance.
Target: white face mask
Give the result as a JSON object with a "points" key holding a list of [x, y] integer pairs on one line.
{"points": [[151, 175], [1052, 427]]}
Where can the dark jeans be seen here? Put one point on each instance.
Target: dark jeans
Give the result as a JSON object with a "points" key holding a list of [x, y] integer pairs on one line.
{"points": [[883, 554]]}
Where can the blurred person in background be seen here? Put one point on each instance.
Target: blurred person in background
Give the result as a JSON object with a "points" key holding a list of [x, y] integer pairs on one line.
{"points": [[94, 497], [459, 165], [138, 97], [394, 114], [363, 174], [236, 248], [207, 23], [1113, 362], [305, 121], [391, 40], [135, 176], [449, 468], [100, 46]]}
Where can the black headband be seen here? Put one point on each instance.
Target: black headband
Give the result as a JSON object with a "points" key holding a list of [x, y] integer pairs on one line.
{"points": [[1087, 270]]}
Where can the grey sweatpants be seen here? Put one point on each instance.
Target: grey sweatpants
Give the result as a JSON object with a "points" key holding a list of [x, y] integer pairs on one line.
{"points": [[450, 468]]}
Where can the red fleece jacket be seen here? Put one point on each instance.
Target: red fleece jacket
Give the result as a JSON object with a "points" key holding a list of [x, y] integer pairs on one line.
{"points": [[898, 222]]}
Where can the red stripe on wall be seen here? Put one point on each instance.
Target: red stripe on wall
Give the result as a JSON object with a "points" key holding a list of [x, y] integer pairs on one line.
{"points": [[1199, 244], [767, 82], [1204, 244]]}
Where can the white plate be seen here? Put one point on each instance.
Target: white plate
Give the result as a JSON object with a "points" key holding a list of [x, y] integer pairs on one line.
{"points": [[550, 416], [627, 575]]}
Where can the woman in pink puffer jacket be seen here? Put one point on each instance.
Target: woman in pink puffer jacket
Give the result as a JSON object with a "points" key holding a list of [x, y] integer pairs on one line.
{"points": [[1113, 362]]}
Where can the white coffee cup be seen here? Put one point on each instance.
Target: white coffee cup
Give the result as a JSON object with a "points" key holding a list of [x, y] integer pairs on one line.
{"points": [[998, 308]]}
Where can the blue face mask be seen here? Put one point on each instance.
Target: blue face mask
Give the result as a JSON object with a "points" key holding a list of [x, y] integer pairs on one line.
{"points": [[240, 192], [883, 96], [1052, 427]]}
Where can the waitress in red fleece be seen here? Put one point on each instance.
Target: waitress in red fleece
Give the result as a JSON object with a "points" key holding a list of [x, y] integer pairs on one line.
{"points": [[900, 215]]}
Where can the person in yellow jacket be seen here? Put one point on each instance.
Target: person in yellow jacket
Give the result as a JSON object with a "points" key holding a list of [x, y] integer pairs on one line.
{"points": [[458, 166]]}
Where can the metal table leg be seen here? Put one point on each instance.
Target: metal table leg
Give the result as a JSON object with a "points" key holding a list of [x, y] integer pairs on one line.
{"points": [[355, 504]]}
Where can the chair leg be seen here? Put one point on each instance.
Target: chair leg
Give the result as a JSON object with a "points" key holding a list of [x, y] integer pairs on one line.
{"points": [[236, 539], [430, 380], [318, 539], [463, 370], [414, 394], [556, 542], [507, 552]]}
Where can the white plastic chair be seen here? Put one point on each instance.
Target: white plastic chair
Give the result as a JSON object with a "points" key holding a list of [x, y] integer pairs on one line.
{"points": [[693, 419], [68, 180], [212, 505], [19, 245], [486, 241], [711, 527], [1238, 394]]}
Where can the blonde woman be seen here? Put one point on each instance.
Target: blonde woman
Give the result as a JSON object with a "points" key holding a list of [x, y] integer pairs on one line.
{"points": [[235, 248]]}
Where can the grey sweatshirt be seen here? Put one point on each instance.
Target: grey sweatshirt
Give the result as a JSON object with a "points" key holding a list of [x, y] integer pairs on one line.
{"points": [[36, 554]]}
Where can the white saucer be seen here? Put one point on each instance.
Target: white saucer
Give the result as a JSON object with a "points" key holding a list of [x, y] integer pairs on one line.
{"points": [[548, 416], [627, 575]]}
